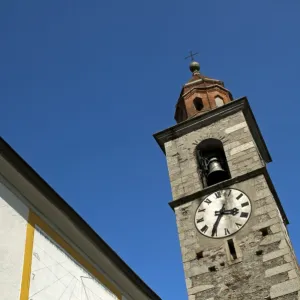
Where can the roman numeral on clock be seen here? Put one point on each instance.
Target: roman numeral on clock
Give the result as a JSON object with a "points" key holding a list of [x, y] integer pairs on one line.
{"points": [[239, 196], [245, 204], [226, 231], [204, 228], [214, 233], [207, 201], [238, 225], [244, 215], [201, 210], [218, 194], [200, 220]]}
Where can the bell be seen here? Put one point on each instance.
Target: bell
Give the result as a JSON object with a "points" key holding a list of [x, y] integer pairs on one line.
{"points": [[215, 172]]}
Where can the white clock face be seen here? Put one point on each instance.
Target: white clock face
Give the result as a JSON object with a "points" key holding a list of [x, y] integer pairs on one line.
{"points": [[223, 213]]}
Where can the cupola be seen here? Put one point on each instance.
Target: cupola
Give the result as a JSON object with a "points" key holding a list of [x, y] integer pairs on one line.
{"points": [[200, 95]]}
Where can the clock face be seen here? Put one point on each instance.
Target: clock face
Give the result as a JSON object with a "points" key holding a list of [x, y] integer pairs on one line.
{"points": [[223, 213]]}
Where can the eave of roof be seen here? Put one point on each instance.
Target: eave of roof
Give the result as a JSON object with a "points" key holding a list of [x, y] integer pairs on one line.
{"points": [[10, 155]]}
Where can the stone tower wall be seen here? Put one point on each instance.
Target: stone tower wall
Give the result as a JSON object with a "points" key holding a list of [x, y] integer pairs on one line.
{"points": [[265, 268]]}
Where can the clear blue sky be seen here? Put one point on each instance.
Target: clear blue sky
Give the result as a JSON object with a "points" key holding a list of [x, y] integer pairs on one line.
{"points": [[85, 84]]}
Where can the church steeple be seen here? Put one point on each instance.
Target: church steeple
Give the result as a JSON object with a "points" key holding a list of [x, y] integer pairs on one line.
{"points": [[200, 95], [231, 224]]}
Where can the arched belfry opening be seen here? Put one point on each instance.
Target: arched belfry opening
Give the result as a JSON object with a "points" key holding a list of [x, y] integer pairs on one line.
{"points": [[212, 161]]}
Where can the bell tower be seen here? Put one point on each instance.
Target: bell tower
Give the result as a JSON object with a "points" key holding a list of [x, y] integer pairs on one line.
{"points": [[231, 224]]}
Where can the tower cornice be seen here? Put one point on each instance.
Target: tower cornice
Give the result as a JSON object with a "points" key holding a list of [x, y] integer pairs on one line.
{"points": [[227, 183], [205, 88]]}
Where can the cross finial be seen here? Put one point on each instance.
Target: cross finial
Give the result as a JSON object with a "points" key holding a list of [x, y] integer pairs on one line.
{"points": [[194, 66], [192, 55]]}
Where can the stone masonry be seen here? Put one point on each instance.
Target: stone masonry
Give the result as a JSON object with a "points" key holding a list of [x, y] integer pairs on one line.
{"points": [[266, 267]]}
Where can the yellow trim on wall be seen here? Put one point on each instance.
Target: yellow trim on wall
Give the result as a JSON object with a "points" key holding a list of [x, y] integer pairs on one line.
{"points": [[24, 295], [34, 220]]}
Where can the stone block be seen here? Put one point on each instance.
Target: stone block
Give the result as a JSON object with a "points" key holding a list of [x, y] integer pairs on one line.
{"points": [[275, 254], [259, 179], [265, 224], [186, 265], [174, 169], [188, 241], [181, 236], [177, 181], [242, 159], [272, 238], [275, 228], [279, 269], [288, 258], [188, 255], [241, 148], [231, 145], [273, 213], [178, 193], [242, 153], [175, 176], [263, 193], [235, 127], [293, 274], [197, 270], [188, 171], [284, 288], [283, 244], [200, 288], [264, 209], [168, 144], [188, 282]]}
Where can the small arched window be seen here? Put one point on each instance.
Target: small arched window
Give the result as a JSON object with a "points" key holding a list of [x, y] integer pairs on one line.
{"points": [[198, 103], [219, 101]]}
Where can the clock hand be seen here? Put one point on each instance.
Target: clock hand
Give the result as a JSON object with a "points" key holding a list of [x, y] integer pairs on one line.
{"points": [[233, 212], [215, 227]]}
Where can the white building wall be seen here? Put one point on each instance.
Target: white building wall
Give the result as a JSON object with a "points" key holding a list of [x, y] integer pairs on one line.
{"points": [[56, 275], [13, 224]]}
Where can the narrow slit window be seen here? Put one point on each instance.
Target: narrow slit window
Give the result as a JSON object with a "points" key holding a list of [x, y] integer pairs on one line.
{"points": [[232, 250]]}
